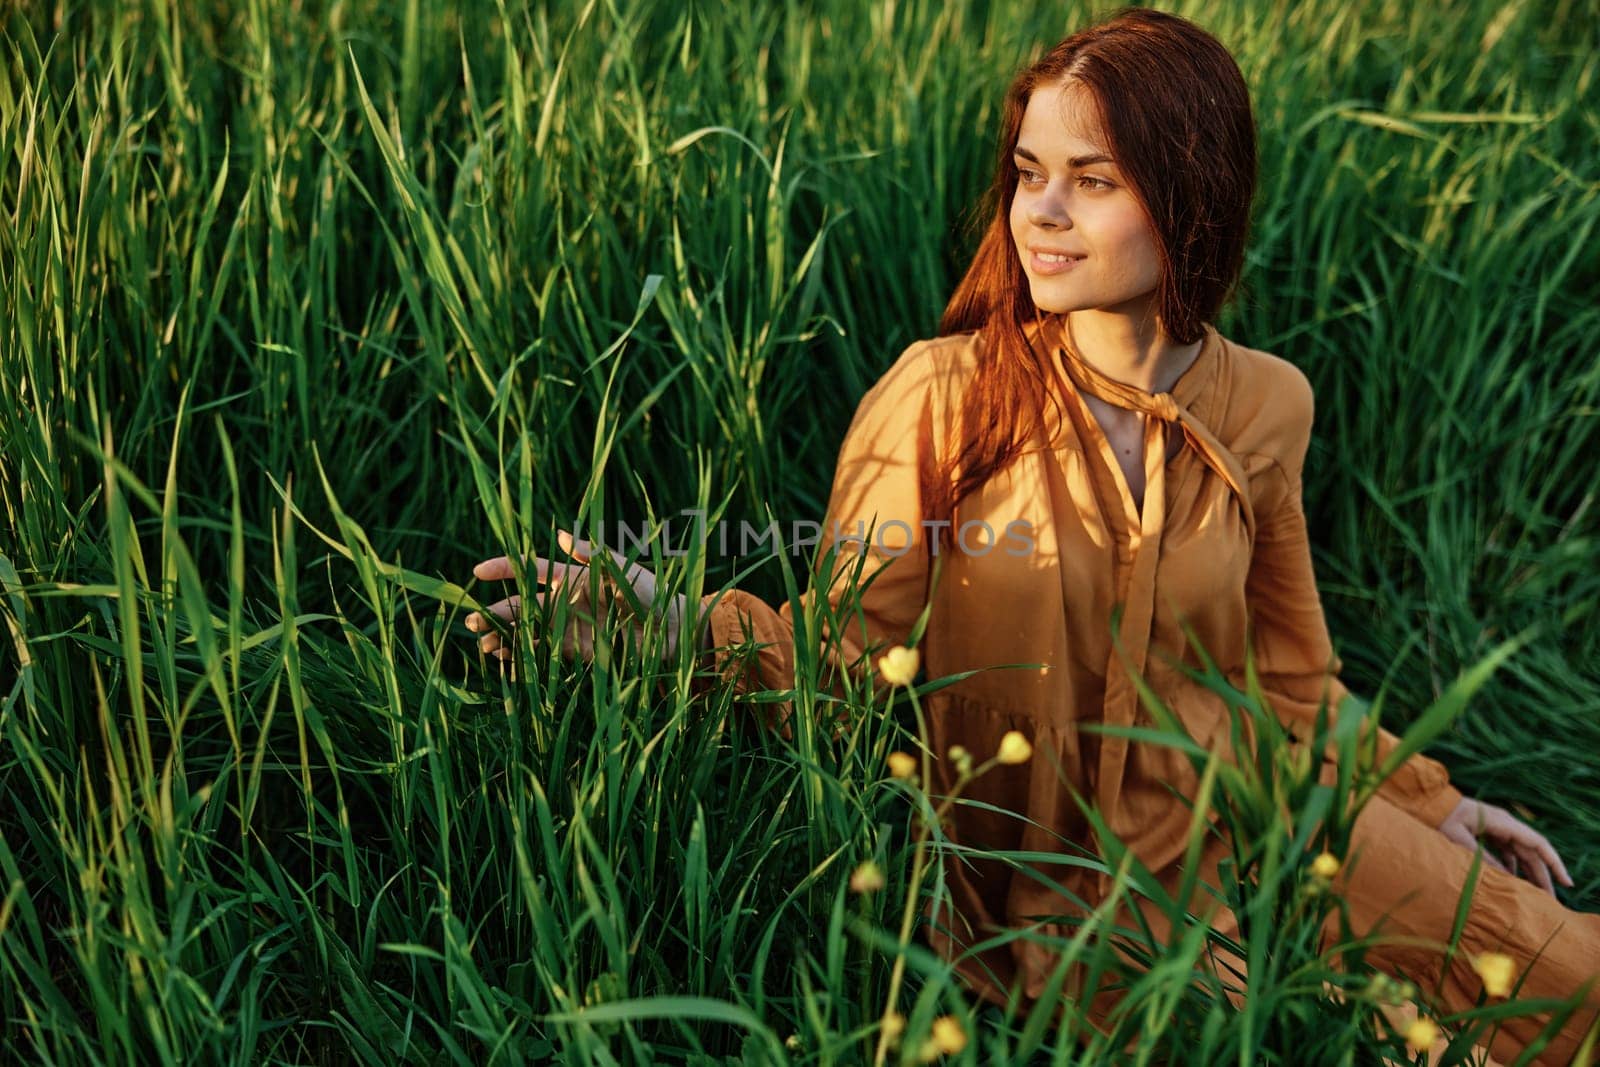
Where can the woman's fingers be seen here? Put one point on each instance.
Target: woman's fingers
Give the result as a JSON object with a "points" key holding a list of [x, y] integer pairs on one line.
{"points": [[505, 612], [547, 572], [1546, 852], [1508, 844], [493, 570], [500, 569], [1539, 872], [636, 574], [554, 574], [572, 579], [508, 612], [1561, 870], [583, 553], [1527, 865], [1535, 856]]}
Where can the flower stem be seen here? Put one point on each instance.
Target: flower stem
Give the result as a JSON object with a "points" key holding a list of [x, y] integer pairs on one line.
{"points": [[918, 864]]}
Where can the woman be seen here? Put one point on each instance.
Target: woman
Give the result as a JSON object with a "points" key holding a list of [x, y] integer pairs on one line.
{"points": [[1078, 389]]}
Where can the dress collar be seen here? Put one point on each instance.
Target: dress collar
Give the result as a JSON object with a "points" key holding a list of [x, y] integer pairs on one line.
{"points": [[1192, 390], [1190, 405]]}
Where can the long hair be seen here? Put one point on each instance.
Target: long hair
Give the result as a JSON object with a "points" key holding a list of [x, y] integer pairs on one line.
{"points": [[1176, 111]]}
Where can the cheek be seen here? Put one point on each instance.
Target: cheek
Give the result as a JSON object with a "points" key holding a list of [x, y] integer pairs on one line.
{"points": [[1136, 248]]}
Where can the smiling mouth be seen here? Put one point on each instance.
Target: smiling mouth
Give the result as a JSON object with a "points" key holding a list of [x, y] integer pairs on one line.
{"points": [[1053, 262]]}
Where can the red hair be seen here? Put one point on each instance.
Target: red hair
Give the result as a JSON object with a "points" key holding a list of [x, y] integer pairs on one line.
{"points": [[1176, 111]]}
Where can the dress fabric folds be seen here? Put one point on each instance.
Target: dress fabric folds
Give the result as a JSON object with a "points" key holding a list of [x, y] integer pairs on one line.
{"points": [[1045, 552]]}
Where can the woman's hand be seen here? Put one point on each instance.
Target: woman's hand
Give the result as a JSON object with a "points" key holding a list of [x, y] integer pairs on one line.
{"points": [[573, 580], [1522, 850]]}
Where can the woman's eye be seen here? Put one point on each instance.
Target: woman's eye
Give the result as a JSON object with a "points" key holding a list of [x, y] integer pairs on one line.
{"points": [[1027, 177], [1094, 183]]}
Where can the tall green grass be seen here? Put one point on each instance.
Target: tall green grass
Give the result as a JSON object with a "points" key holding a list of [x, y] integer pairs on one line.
{"points": [[306, 308]]}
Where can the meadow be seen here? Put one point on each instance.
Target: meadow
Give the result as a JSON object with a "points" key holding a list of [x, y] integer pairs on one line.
{"points": [[306, 307]]}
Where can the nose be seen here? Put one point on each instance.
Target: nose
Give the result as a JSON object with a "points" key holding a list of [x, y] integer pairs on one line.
{"points": [[1048, 211]]}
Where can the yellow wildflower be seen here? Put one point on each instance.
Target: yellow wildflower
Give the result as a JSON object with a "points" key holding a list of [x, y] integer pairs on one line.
{"points": [[902, 764], [948, 1037], [1325, 865], [1014, 748], [898, 666], [961, 759], [894, 1024], [1422, 1033], [1497, 970], [867, 878]]}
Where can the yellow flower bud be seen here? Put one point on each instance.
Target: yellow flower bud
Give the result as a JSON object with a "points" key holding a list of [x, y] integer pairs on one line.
{"points": [[1422, 1033], [902, 764], [894, 1024], [1325, 865], [948, 1037], [1497, 971], [961, 759], [867, 878], [1014, 748], [898, 666]]}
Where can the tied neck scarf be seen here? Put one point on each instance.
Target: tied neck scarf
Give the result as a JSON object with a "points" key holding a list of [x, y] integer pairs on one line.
{"points": [[1133, 617]]}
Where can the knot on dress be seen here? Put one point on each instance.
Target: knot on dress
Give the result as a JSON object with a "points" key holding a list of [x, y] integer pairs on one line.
{"points": [[1164, 407]]}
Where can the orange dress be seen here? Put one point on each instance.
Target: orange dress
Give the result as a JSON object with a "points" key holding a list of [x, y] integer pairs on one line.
{"points": [[1219, 546]]}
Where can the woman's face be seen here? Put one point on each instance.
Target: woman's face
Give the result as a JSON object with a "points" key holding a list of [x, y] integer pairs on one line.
{"points": [[1080, 233]]}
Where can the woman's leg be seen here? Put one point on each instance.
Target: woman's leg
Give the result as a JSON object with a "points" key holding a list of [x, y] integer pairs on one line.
{"points": [[1404, 880]]}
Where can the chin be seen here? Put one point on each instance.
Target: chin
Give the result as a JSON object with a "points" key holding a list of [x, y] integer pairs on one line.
{"points": [[1055, 303]]}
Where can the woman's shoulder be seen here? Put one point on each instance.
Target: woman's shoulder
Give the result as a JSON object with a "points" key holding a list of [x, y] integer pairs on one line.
{"points": [[928, 372], [916, 401], [932, 362], [1269, 405]]}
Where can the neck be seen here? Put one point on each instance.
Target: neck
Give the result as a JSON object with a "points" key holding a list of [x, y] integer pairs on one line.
{"points": [[1134, 351]]}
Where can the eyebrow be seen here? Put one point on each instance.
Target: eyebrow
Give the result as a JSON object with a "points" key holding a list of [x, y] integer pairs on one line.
{"points": [[1076, 161]]}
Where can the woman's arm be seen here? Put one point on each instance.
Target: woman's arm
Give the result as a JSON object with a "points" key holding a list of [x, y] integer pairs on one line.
{"points": [[876, 499], [1291, 642], [1294, 656]]}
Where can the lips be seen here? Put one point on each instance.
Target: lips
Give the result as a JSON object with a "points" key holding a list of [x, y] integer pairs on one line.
{"points": [[1046, 261]]}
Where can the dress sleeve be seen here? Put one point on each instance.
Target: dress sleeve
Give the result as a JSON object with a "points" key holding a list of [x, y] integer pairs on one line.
{"points": [[874, 511], [1294, 656]]}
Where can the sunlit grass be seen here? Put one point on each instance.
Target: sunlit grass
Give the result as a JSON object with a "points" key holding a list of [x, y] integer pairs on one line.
{"points": [[305, 308]]}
